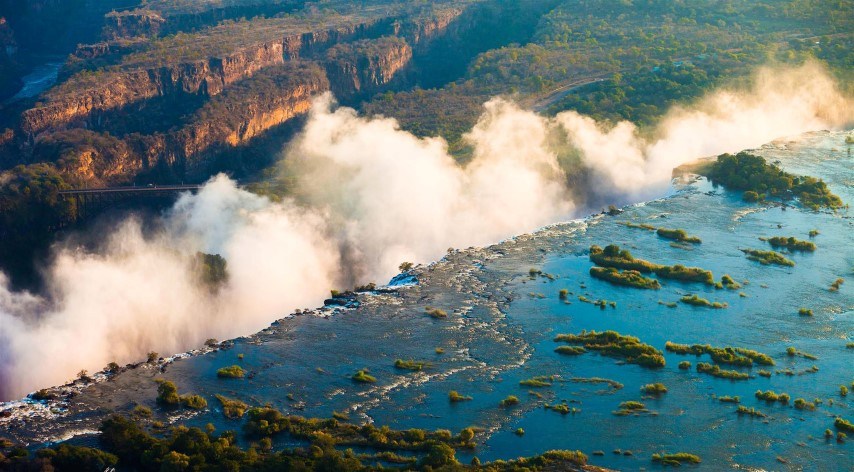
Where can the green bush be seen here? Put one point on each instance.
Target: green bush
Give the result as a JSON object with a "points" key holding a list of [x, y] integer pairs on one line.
{"points": [[511, 400], [231, 372], [676, 459], [454, 397], [677, 235], [363, 377], [614, 344], [654, 389]]}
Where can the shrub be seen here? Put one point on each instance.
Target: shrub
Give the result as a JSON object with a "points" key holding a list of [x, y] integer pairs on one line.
{"points": [[614, 344], [152, 357], [753, 412], [696, 300], [231, 372], [363, 377], [511, 400], [232, 409], [768, 257], [716, 371], [167, 393], [194, 402], [542, 381], [563, 294], [436, 313], [627, 278], [454, 397], [410, 365], [677, 235], [843, 425], [570, 350], [802, 404], [654, 389], [685, 365], [728, 399], [770, 396], [805, 312], [676, 459], [834, 287], [843, 390], [791, 244]]}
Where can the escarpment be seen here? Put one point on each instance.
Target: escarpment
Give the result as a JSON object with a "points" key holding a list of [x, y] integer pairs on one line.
{"points": [[366, 66]]}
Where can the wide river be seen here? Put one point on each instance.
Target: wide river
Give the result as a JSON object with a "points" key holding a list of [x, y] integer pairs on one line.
{"points": [[502, 323]]}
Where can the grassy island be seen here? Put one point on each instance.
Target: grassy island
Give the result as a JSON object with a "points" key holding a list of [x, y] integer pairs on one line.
{"points": [[536, 382], [232, 409], [511, 400], [791, 244], [231, 372], [614, 257], [696, 300], [768, 257], [729, 399], [676, 459], [627, 278], [411, 365], [363, 377], [737, 356], [743, 410], [614, 344], [570, 350], [654, 389], [677, 235], [759, 180], [455, 397], [770, 396], [716, 371], [436, 313]]}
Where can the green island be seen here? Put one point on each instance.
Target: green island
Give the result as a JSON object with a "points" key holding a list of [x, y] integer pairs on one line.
{"points": [[843, 425], [510, 400], [362, 376], [167, 396], [791, 243], [455, 397], [760, 180], [802, 404], [654, 389], [752, 412], [716, 371], [645, 226], [768, 257], [676, 459], [562, 408], [677, 235], [612, 256], [729, 399], [411, 365], [231, 372], [536, 382], [630, 408], [570, 350], [232, 409], [627, 278], [770, 396], [729, 283], [129, 445], [614, 344], [696, 300], [805, 312], [834, 287], [736, 356]]}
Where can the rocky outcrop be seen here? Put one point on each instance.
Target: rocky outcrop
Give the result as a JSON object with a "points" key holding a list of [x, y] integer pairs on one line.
{"points": [[80, 105], [419, 30], [314, 43], [366, 66], [131, 24]]}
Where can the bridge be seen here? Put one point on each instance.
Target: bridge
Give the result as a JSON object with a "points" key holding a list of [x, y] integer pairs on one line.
{"points": [[90, 201]]}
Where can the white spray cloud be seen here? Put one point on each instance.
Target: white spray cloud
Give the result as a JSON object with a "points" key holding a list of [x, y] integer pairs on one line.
{"points": [[369, 196]]}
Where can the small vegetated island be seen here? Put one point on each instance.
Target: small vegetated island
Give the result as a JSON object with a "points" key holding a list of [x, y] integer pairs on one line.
{"points": [[677, 235], [760, 180], [613, 344], [791, 243], [768, 257], [612, 257], [737, 356]]}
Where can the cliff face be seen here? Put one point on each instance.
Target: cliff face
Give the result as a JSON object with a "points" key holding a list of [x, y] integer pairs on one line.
{"points": [[366, 66], [118, 90], [132, 24]]}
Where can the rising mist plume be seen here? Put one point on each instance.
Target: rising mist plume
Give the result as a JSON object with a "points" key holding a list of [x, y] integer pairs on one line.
{"points": [[369, 196]]}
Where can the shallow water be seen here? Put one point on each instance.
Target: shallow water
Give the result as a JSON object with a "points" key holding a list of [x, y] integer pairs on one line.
{"points": [[38, 80], [502, 331]]}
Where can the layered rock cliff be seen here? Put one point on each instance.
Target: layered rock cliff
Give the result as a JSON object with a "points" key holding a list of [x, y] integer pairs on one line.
{"points": [[366, 66]]}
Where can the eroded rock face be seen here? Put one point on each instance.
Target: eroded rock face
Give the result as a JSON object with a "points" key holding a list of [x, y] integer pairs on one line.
{"points": [[366, 66], [132, 24]]}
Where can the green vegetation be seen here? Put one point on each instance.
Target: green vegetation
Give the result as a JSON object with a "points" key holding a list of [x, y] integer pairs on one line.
{"points": [[791, 351], [640, 226], [612, 384], [542, 381], [729, 282], [563, 294], [232, 409], [696, 300], [436, 313], [562, 408], [455, 397], [805, 312], [676, 459], [728, 399], [511, 400], [802, 404], [167, 396], [750, 173], [814, 232], [519, 432], [737, 356], [716, 371], [843, 390], [614, 344], [630, 407], [628, 278], [743, 410], [791, 244], [212, 269], [363, 377], [843, 425], [771, 397], [677, 235], [570, 350], [834, 287], [613, 257], [411, 365], [654, 389], [768, 257], [231, 372], [685, 365]]}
